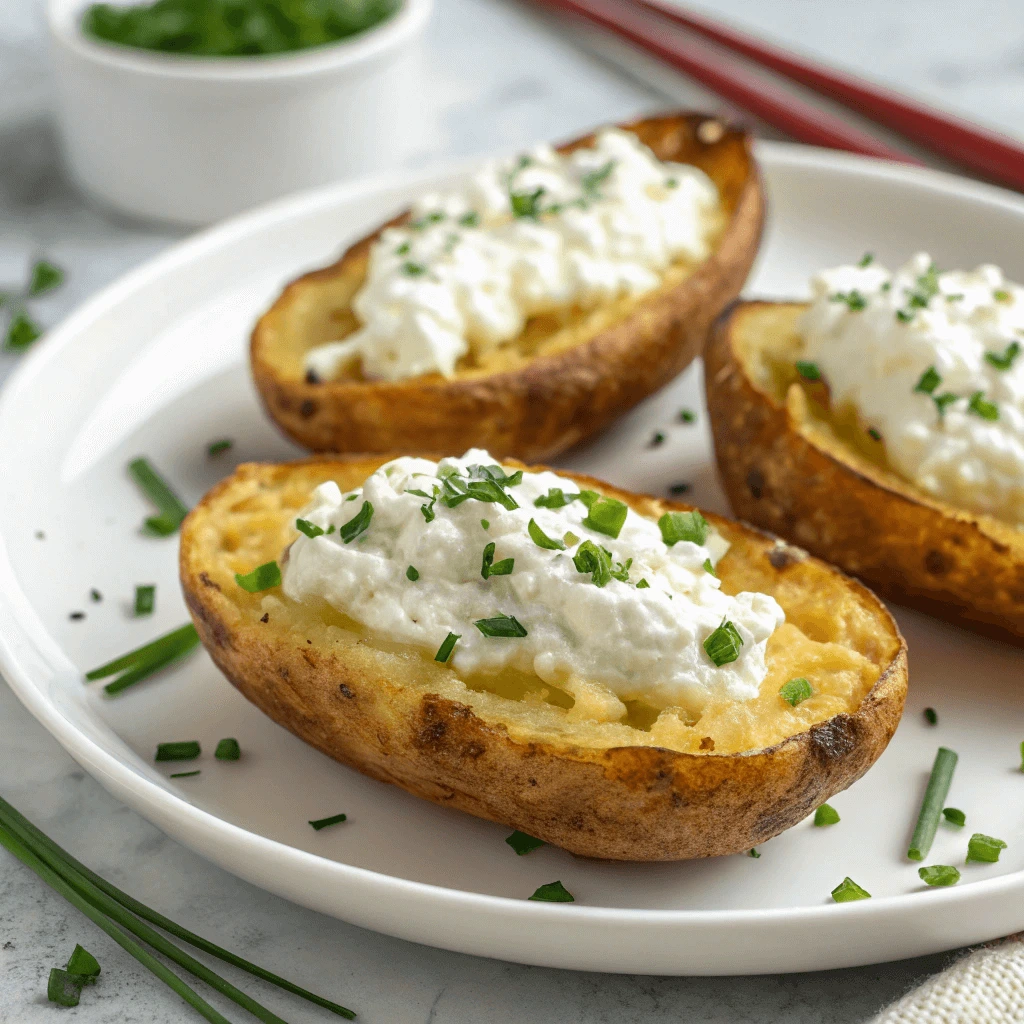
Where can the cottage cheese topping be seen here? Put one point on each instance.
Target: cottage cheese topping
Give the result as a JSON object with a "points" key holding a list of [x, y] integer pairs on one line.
{"points": [[637, 642], [522, 237], [931, 362]]}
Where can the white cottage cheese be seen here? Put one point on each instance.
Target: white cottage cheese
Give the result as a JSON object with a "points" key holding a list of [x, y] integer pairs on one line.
{"points": [[637, 642], [931, 362], [519, 238]]}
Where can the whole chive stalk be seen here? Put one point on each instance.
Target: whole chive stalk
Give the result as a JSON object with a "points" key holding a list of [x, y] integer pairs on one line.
{"points": [[39, 842], [172, 510], [934, 800], [144, 661]]}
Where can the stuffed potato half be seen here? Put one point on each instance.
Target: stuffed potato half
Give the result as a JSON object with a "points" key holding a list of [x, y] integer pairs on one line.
{"points": [[788, 466], [564, 378], [626, 790]]}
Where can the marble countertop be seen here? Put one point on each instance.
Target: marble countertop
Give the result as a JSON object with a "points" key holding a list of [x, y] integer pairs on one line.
{"points": [[499, 75]]}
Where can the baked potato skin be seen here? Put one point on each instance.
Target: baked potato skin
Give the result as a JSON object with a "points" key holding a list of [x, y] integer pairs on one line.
{"points": [[547, 403], [638, 803], [784, 476]]}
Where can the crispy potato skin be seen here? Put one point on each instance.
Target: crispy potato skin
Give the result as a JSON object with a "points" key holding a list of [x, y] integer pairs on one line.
{"points": [[782, 474], [544, 404], [639, 803]]}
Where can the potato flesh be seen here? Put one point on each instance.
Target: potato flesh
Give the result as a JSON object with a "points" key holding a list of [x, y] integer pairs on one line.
{"points": [[832, 645]]}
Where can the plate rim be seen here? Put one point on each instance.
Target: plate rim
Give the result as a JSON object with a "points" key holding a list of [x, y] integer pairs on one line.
{"points": [[21, 628]]}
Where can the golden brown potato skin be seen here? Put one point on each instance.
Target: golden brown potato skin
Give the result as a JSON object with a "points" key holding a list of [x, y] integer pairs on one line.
{"points": [[622, 803], [782, 472], [538, 405]]}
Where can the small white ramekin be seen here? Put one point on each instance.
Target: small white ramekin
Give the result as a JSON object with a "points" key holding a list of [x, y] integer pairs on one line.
{"points": [[191, 140]]}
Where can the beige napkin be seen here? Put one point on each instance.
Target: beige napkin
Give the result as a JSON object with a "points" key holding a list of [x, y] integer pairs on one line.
{"points": [[984, 987]]}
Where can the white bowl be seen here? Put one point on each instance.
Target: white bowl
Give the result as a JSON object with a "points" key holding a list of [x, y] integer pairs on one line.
{"points": [[191, 140]]}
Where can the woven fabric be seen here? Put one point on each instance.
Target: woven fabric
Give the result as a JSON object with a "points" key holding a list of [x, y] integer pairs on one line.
{"points": [[985, 987]]}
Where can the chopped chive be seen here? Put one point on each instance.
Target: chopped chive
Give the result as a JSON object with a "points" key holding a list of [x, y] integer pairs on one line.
{"points": [[553, 892], [941, 401], [186, 775], [954, 296], [526, 204], [796, 691], [904, 316], [723, 644], [570, 538], [555, 498], [607, 516], [45, 277], [21, 332], [954, 816], [489, 567], [931, 806], [709, 568], [980, 406], [826, 814], [848, 890], [95, 595], [63, 987], [145, 599], [76, 616], [679, 488], [311, 530], [182, 750], [105, 904], [642, 584], [522, 843], [228, 749], [933, 719], [984, 849], [1022, 757], [334, 819], [485, 523], [657, 438], [355, 497], [683, 526], [853, 299], [939, 874], [808, 370], [263, 577], [687, 416], [1001, 295], [444, 652], [83, 964], [403, 249], [411, 269], [542, 540], [357, 524], [752, 852], [929, 381], [1005, 360], [171, 510], [501, 626], [144, 661], [469, 220], [219, 447], [866, 260], [412, 573], [593, 559], [874, 434]]}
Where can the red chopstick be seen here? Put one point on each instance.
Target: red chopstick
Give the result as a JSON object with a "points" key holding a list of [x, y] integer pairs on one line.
{"points": [[676, 47], [988, 153]]}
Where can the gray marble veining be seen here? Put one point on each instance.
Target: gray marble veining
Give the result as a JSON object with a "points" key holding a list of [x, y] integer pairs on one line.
{"points": [[499, 75]]}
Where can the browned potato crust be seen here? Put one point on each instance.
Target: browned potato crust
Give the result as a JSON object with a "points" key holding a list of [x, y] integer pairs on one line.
{"points": [[563, 380], [598, 789], [789, 468]]}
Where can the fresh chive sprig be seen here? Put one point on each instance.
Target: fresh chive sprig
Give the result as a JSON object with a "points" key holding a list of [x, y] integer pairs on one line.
{"points": [[144, 661], [934, 800], [89, 892], [171, 509]]}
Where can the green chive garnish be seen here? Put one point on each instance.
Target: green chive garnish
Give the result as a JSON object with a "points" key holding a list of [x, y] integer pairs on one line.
{"points": [[489, 567], [939, 874], [357, 524], [412, 269], [522, 843], [83, 964], [709, 568], [942, 401], [866, 260], [931, 807], [553, 892], [904, 316], [1001, 295], [848, 890], [469, 220], [144, 661], [826, 815], [63, 987], [683, 526], [929, 381], [723, 645], [542, 540], [954, 816], [679, 488], [412, 573], [501, 626], [21, 332], [687, 416], [607, 516], [980, 406], [263, 577], [444, 652], [219, 447], [752, 852], [184, 750], [931, 717], [808, 370], [228, 749], [984, 848], [311, 530], [334, 819], [796, 691], [853, 299], [45, 277], [1005, 360], [570, 538], [657, 438], [485, 523], [555, 498], [171, 510], [874, 434], [186, 775], [145, 599], [1022, 757], [593, 559]]}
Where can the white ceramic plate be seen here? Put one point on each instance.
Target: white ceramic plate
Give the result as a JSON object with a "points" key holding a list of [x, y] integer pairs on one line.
{"points": [[155, 365]]}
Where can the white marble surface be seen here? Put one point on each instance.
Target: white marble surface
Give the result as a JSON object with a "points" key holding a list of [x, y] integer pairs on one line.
{"points": [[498, 76]]}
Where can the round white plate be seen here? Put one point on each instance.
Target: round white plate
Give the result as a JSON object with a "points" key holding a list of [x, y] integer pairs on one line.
{"points": [[155, 365]]}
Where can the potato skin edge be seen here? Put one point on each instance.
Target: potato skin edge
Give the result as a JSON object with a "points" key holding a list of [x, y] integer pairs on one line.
{"points": [[552, 402], [624, 803], [918, 551]]}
